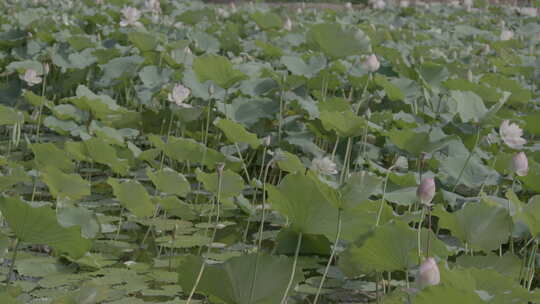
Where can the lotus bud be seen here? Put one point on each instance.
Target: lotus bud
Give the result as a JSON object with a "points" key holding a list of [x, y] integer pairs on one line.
{"points": [[486, 49], [520, 164], [211, 90], [46, 68], [426, 191], [267, 140], [428, 274], [219, 168], [470, 76], [288, 24], [372, 63]]}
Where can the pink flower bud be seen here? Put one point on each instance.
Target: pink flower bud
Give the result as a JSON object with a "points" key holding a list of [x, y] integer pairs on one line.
{"points": [[372, 63], [426, 191], [428, 274], [520, 164]]}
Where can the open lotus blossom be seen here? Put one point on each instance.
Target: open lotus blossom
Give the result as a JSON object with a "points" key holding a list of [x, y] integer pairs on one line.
{"points": [[379, 4], [511, 135], [131, 16], [520, 164], [179, 94], [372, 63], [428, 274], [288, 24], [31, 77], [222, 12], [468, 4], [528, 11], [506, 35], [324, 166], [426, 191], [153, 6]]}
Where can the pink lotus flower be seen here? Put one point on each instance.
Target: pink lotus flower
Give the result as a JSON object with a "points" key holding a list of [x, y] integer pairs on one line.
{"points": [[372, 63], [520, 164], [131, 16], [511, 135], [426, 191], [31, 77], [428, 274]]}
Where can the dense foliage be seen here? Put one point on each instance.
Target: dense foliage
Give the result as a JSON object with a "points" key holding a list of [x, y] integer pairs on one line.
{"points": [[179, 152]]}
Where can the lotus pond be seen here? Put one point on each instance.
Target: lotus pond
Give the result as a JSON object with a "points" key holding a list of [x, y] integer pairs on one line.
{"points": [[181, 152]]}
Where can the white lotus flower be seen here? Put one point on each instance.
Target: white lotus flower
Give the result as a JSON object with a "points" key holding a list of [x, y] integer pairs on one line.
{"points": [[528, 11], [372, 63], [222, 12], [288, 24], [324, 166], [379, 4], [468, 4], [153, 6], [428, 274], [179, 94], [31, 77], [511, 135], [506, 35], [131, 16], [348, 5], [404, 3], [520, 164]]}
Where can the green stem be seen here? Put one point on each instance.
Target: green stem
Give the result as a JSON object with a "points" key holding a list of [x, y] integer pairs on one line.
{"points": [[532, 265], [338, 233], [379, 213], [346, 162], [13, 258], [420, 233], [263, 212], [203, 265], [293, 271]]}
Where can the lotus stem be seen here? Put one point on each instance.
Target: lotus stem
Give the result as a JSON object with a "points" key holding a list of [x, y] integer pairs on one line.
{"points": [[338, 233], [203, 265], [293, 271]]}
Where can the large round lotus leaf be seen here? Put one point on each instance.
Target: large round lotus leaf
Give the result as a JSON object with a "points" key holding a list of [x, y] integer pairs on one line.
{"points": [[40, 226], [239, 280]]}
